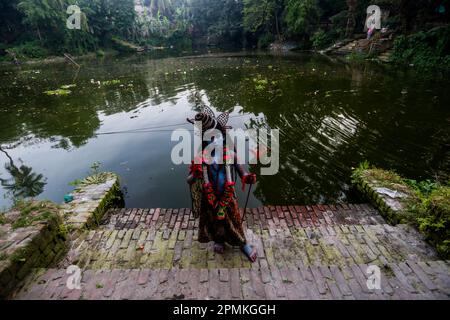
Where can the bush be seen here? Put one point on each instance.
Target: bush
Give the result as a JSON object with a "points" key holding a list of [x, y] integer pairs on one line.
{"points": [[427, 206], [339, 22], [434, 220], [265, 40], [424, 50], [30, 50], [321, 39]]}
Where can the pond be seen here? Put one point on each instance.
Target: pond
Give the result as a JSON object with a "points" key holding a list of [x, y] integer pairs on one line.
{"points": [[332, 115]]}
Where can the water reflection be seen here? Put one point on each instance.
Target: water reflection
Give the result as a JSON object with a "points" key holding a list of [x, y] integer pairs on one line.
{"points": [[24, 183], [331, 116]]}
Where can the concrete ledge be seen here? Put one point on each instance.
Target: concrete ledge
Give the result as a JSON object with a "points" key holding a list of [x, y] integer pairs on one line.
{"points": [[387, 192], [92, 198], [31, 236]]}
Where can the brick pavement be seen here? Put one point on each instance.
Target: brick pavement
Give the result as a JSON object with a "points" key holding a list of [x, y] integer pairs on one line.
{"points": [[305, 252]]}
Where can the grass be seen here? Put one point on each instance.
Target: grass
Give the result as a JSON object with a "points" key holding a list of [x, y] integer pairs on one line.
{"points": [[33, 211], [20, 255], [434, 219], [95, 177], [427, 206], [381, 178]]}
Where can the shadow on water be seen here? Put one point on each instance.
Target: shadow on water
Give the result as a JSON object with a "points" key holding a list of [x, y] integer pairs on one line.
{"points": [[331, 116]]}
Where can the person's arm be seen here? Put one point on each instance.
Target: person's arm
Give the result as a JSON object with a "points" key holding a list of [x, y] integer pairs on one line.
{"points": [[246, 177]]}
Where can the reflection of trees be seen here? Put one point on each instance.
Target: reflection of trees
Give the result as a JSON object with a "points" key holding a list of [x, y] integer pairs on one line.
{"points": [[329, 115], [24, 183], [330, 119]]}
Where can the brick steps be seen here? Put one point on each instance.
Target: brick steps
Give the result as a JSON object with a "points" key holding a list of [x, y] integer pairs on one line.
{"points": [[316, 252], [274, 216], [283, 247], [406, 280]]}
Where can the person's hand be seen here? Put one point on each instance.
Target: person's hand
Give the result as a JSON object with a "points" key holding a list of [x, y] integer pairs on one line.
{"points": [[249, 178]]}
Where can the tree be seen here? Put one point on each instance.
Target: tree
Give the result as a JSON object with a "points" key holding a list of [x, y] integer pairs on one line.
{"points": [[11, 18], [161, 7], [46, 16], [263, 16], [351, 20], [216, 22], [302, 16]]}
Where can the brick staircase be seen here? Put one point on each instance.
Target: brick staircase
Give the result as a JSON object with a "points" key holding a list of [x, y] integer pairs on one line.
{"points": [[317, 252]]}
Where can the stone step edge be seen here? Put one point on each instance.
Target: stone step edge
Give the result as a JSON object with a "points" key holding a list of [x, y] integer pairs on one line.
{"points": [[299, 216], [406, 280]]}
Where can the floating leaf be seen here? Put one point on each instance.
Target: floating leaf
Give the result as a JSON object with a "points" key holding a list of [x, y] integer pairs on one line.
{"points": [[110, 82], [58, 92], [68, 86]]}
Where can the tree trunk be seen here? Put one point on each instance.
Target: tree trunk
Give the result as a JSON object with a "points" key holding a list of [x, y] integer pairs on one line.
{"points": [[39, 34], [277, 26], [403, 13], [351, 20]]}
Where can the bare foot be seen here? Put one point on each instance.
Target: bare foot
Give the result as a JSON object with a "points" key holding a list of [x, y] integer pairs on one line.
{"points": [[250, 252], [219, 248]]}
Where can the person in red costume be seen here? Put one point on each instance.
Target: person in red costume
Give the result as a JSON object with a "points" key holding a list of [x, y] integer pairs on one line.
{"points": [[213, 195]]}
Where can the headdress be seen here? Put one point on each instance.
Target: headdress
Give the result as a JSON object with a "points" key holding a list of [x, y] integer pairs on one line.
{"points": [[209, 119]]}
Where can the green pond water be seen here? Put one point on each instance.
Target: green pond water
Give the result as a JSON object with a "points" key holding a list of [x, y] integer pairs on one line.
{"points": [[331, 115]]}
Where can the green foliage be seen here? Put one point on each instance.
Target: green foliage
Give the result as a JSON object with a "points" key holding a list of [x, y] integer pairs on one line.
{"points": [[259, 15], [75, 182], [302, 16], [95, 166], [20, 255], [29, 50], [58, 92], [260, 84], [33, 211], [265, 40], [3, 256], [110, 82], [424, 50], [97, 178], [427, 207], [357, 57], [339, 24], [45, 31], [321, 39], [434, 219], [100, 53], [94, 176], [36, 29], [213, 22], [357, 172], [424, 188], [63, 231]]}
